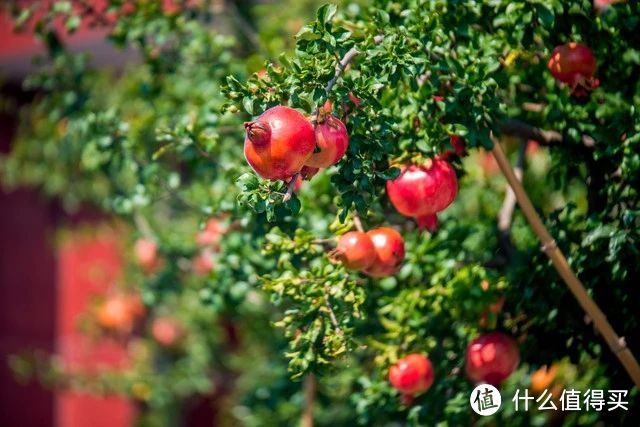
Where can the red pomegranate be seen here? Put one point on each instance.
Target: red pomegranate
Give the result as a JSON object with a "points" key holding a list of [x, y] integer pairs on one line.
{"points": [[116, 314], [422, 191], [491, 358], [356, 251], [211, 234], [412, 374], [332, 142], [278, 143], [167, 331], [146, 253], [389, 246], [203, 262], [574, 64]]}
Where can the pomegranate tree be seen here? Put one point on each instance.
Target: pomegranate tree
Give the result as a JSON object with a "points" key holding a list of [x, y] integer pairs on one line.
{"points": [[421, 191], [412, 374], [278, 143], [491, 358]]}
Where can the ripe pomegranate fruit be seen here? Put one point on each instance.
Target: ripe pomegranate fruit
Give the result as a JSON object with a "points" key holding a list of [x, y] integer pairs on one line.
{"points": [[332, 142], [146, 253], [422, 191], [389, 247], [203, 262], [355, 250], [167, 331], [278, 143], [412, 374], [491, 358], [574, 64], [211, 234], [116, 314]]}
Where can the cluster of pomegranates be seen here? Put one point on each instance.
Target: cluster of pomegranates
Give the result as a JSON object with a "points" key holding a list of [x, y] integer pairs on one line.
{"points": [[377, 253], [282, 143], [490, 358], [574, 65]]}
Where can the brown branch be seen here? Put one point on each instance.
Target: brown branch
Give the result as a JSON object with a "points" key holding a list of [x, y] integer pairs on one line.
{"points": [[505, 216], [291, 186], [309, 400], [515, 127], [332, 314], [345, 61], [357, 222], [617, 344]]}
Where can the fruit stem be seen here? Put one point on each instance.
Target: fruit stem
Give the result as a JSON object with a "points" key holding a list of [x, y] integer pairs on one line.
{"points": [[290, 188], [357, 222]]}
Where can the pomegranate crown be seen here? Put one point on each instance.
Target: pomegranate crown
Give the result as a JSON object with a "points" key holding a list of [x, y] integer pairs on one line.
{"points": [[258, 132]]}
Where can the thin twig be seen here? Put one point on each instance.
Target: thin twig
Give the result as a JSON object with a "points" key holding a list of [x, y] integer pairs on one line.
{"points": [[357, 222], [291, 186], [345, 61], [332, 314], [246, 28], [505, 216], [515, 127]]}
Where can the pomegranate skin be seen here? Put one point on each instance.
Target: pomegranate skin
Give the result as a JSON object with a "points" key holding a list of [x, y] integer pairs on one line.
{"points": [[332, 140], [571, 63], [491, 358], [389, 246], [425, 190], [412, 374], [278, 143], [167, 331], [356, 251]]}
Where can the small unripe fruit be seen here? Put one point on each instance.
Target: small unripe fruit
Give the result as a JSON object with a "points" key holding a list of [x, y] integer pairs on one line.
{"points": [[356, 251], [412, 374], [278, 143], [203, 262], [491, 358], [389, 247], [542, 379], [211, 234]]}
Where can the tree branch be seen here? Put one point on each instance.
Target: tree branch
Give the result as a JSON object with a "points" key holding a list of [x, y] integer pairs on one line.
{"points": [[290, 188], [505, 216], [309, 400], [332, 314], [515, 127], [345, 61]]}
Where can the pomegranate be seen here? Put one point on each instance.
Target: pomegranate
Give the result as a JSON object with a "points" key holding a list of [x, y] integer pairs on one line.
{"points": [[491, 358], [574, 64], [389, 247], [356, 251], [211, 234], [542, 379], [422, 191], [278, 143], [167, 331], [146, 253], [332, 142], [412, 374], [116, 314], [203, 263]]}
